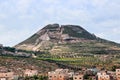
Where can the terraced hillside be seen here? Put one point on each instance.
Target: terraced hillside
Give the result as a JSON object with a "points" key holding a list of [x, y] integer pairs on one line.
{"points": [[65, 46], [18, 64], [68, 40]]}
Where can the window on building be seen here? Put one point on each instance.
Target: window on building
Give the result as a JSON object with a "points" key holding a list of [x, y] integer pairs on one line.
{"points": [[75, 77], [80, 78], [6, 75]]}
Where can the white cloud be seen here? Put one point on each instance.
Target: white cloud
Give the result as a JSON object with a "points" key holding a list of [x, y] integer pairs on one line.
{"points": [[116, 31], [98, 3], [23, 5], [51, 1], [1, 26], [3, 16], [26, 16]]}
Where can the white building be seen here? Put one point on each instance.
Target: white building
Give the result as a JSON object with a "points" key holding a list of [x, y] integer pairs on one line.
{"points": [[103, 76], [78, 77], [7, 76], [29, 72], [118, 74], [58, 74]]}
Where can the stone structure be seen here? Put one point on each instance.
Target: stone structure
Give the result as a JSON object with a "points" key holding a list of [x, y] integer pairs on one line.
{"points": [[6, 75], [30, 72], [112, 75], [78, 77], [103, 76], [58, 74], [34, 56], [118, 74]]}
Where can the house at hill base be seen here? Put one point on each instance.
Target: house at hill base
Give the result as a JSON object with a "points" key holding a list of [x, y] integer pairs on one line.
{"points": [[78, 77], [30, 72], [118, 74], [103, 76], [6, 76], [59, 74]]}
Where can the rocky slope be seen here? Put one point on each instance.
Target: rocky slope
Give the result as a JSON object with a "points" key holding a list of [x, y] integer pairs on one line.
{"points": [[55, 38]]}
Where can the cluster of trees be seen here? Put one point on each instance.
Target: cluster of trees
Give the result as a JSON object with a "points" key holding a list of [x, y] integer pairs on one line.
{"points": [[9, 49]]}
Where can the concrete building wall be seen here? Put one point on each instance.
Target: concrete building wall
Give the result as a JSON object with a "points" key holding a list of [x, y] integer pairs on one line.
{"points": [[52, 76], [58, 74], [118, 74], [3, 79], [30, 72], [103, 76], [78, 77], [7, 76]]}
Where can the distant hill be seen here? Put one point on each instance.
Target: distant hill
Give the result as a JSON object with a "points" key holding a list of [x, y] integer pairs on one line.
{"points": [[68, 40]]}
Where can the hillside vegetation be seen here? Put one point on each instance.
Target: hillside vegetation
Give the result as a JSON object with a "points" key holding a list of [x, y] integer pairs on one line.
{"points": [[71, 46]]}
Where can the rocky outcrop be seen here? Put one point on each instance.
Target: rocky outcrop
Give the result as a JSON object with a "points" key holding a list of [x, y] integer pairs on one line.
{"points": [[56, 35]]}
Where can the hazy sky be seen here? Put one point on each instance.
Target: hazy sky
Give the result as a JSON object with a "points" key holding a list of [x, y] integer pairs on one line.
{"points": [[19, 19]]}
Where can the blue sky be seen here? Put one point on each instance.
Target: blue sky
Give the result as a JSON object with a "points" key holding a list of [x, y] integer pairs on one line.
{"points": [[19, 19]]}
